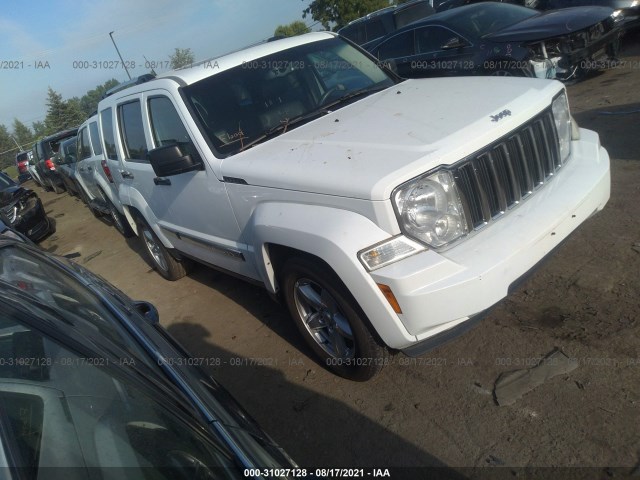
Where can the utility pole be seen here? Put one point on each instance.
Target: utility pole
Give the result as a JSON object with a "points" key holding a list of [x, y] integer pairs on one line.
{"points": [[123, 64]]}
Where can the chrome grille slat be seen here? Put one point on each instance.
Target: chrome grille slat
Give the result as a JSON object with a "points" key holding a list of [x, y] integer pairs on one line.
{"points": [[500, 176]]}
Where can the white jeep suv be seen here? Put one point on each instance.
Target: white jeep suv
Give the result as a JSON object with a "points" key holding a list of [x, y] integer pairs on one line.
{"points": [[386, 213]]}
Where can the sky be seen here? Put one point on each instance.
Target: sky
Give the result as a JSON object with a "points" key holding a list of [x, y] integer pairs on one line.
{"points": [[65, 44]]}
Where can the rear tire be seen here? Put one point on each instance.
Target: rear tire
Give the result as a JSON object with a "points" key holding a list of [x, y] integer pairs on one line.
{"points": [[163, 262], [57, 188], [330, 321]]}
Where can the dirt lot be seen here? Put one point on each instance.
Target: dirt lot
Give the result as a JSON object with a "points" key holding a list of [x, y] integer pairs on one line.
{"points": [[440, 409]]}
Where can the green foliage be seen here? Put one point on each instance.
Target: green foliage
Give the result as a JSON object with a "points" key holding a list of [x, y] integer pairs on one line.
{"points": [[335, 14], [62, 114], [89, 101], [181, 58], [22, 134], [294, 28], [39, 129], [8, 148]]}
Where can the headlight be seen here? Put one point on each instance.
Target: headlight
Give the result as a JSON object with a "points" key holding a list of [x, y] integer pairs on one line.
{"points": [[429, 209], [562, 118]]}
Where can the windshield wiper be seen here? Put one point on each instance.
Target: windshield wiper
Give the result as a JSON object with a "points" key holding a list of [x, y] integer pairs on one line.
{"points": [[283, 126], [363, 92], [322, 110]]}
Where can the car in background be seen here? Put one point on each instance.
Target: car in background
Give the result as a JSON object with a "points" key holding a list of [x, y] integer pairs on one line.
{"points": [[23, 210], [491, 38], [92, 384], [66, 162], [382, 22], [95, 176], [44, 151], [23, 160], [625, 12]]}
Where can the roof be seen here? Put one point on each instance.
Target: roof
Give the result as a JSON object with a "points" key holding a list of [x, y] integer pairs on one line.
{"points": [[206, 68]]}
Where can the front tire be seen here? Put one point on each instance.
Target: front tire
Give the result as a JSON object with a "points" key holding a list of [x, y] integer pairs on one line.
{"points": [[330, 321], [162, 261]]}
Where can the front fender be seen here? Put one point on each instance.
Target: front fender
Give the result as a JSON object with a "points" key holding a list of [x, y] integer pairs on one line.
{"points": [[335, 236]]}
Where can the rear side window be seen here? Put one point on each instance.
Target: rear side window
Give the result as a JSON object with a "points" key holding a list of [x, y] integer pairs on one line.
{"points": [[132, 130], [95, 138], [107, 134], [84, 148]]}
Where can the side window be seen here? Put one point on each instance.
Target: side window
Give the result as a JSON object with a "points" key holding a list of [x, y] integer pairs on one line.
{"points": [[431, 39], [397, 46], [132, 130], [375, 29], [167, 128], [107, 134], [84, 148], [95, 138]]}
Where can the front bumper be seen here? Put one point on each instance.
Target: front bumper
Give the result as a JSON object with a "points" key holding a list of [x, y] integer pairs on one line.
{"points": [[33, 222], [439, 291]]}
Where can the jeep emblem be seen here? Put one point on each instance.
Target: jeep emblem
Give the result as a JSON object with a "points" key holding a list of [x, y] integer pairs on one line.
{"points": [[501, 115]]}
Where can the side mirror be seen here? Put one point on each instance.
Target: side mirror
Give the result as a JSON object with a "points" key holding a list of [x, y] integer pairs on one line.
{"points": [[148, 311], [453, 42], [169, 160]]}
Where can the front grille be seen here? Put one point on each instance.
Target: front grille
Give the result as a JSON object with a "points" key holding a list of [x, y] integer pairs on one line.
{"points": [[498, 178]]}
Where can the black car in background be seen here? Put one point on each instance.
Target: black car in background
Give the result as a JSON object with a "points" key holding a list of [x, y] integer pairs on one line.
{"points": [[625, 12], [491, 38], [66, 162], [22, 209], [376, 25], [91, 386], [44, 151]]}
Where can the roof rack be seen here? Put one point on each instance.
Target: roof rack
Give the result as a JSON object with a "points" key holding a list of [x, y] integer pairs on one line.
{"points": [[130, 83]]}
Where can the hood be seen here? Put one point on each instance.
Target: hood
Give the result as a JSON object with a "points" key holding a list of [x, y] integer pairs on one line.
{"points": [[366, 149], [10, 194], [553, 23]]}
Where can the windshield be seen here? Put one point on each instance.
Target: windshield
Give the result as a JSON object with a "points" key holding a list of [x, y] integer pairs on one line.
{"points": [[242, 104], [488, 18]]}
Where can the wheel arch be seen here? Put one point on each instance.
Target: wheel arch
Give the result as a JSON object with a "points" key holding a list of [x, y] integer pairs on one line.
{"points": [[333, 237]]}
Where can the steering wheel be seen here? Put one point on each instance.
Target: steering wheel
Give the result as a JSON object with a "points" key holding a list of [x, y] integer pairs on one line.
{"points": [[331, 91]]}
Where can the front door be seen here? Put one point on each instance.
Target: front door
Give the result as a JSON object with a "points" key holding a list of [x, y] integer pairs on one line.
{"points": [[192, 208]]}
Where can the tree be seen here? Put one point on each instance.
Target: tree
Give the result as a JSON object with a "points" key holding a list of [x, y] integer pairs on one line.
{"points": [[22, 134], [294, 28], [39, 130], [181, 58], [89, 101], [62, 115], [337, 13], [8, 149]]}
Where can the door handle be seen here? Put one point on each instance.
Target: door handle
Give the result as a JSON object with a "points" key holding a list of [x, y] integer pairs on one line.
{"points": [[161, 181], [126, 174]]}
